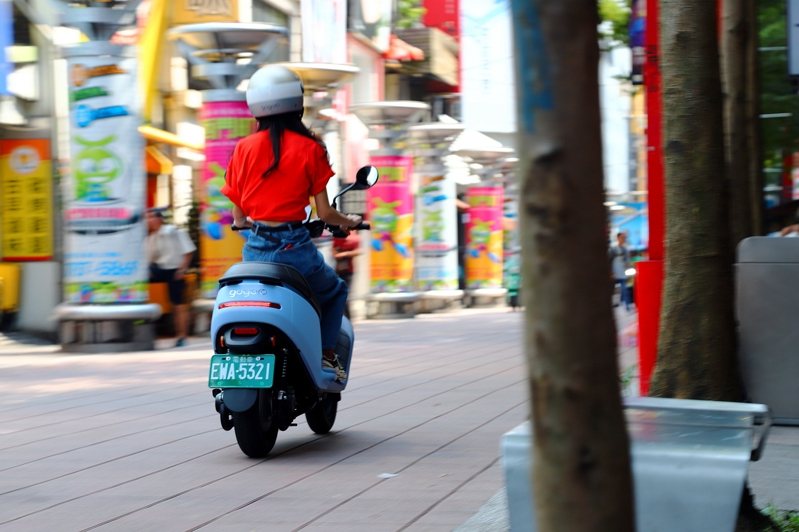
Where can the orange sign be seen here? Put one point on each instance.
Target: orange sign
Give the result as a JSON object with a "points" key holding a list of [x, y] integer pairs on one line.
{"points": [[196, 11], [26, 200]]}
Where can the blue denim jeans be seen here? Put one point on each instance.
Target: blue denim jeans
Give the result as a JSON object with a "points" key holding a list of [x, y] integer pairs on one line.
{"points": [[295, 248]]}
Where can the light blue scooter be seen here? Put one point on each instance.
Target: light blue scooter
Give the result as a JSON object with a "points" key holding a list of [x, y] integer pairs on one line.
{"points": [[267, 364]]}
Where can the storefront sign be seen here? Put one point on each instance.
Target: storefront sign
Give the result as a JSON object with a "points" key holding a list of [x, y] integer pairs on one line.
{"points": [[391, 216], [26, 197], [484, 237], [104, 258], [220, 247], [437, 235], [196, 11]]}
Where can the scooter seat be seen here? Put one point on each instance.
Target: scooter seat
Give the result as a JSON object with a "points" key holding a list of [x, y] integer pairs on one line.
{"points": [[271, 273]]}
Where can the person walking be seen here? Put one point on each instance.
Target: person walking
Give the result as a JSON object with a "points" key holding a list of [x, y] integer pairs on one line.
{"points": [[270, 178], [170, 252], [619, 263], [344, 251]]}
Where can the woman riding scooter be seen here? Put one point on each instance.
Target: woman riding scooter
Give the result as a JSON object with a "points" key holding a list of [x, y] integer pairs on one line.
{"points": [[269, 179]]}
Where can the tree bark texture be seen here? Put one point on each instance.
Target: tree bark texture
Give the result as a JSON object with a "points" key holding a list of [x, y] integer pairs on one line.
{"points": [[696, 348], [581, 465], [739, 40]]}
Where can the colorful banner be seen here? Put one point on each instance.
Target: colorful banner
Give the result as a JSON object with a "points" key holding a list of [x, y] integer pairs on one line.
{"points": [[220, 247], [391, 215], [26, 197], [104, 258], [437, 235], [484, 237]]}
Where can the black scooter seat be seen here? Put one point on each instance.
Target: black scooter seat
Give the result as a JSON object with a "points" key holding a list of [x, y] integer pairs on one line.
{"points": [[271, 273]]}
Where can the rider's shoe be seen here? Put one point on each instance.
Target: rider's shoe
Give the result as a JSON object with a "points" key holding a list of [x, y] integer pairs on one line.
{"points": [[335, 364]]}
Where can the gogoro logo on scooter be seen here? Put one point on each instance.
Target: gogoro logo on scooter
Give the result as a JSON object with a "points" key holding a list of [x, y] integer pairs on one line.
{"points": [[246, 292]]}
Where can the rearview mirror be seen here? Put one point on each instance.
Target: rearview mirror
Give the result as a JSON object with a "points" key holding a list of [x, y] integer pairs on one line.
{"points": [[366, 177]]}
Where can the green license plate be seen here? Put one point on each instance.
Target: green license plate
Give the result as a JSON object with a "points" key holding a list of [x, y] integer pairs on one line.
{"points": [[241, 371]]}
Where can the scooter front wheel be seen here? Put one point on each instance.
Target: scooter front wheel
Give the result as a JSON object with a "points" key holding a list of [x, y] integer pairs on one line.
{"points": [[322, 416], [256, 431]]}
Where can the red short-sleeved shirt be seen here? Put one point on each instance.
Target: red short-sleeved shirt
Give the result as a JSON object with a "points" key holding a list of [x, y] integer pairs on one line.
{"points": [[282, 195]]}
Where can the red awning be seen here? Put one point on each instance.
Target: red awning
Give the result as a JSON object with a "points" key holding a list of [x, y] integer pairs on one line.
{"points": [[399, 50]]}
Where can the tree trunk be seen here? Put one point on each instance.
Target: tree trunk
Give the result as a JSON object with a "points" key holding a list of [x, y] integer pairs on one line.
{"points": [[741, 127], [741, 122], [696, 349], [581, 465], [753, 138]]}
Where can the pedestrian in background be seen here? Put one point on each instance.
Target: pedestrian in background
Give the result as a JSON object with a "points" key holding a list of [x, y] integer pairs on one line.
{"points": [[619, 264], [344, 251], [170, 251]]}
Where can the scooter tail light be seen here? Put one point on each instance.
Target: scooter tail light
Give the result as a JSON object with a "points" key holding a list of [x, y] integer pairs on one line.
{"points": [[266, 304], [245, 331]]}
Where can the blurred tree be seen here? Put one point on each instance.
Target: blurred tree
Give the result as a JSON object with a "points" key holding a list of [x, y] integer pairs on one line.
{"points": [[739, 56], [409, 14], [615, 20], [580, 453], [697, 341]]}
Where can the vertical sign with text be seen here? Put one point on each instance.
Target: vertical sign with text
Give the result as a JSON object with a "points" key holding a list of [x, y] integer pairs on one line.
{"points": [[26, 196], [484, 237], [220, 247], [104, 192], [391, 216], [437, 234]]}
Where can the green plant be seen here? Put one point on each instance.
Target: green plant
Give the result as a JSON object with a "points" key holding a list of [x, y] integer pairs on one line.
{"points": [[615, 15], [626, 378], [409, 14], [787, 521]]}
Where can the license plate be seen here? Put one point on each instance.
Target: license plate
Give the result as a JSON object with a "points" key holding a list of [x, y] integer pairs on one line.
{"points": [[241, 371]]}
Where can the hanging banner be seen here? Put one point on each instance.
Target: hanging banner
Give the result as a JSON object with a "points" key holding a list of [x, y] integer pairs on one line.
{"points": [[26, 197], [437, 235], [104, 258], [484, 237], [391, 216], [225, 123]]}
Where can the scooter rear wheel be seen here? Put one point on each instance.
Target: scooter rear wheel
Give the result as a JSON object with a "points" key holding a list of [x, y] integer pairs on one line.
{"points": [[255, 433], [323, 415]]}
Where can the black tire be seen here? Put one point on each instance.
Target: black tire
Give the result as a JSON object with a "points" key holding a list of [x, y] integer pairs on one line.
{"points": [[255, 434], [323, 415]]}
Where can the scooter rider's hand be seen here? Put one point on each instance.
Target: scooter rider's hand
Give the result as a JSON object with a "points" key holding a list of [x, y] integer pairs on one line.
{"points": [[354, 218]]}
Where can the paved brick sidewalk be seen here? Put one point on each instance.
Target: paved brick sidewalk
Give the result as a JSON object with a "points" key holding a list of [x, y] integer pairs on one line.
{"points": [[130, 441]]}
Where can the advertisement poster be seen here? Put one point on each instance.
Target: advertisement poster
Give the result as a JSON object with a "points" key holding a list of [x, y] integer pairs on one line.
{"points": [[26, 195], [391, 216], [437, 235], [220, 247], [104, 196], [484, 237]]}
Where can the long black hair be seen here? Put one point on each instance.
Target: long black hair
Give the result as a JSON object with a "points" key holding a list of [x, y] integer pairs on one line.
{"points": [[277, 124]]}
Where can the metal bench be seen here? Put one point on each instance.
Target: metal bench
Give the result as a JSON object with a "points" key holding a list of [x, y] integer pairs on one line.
{"points": [[107, 328], [689, 462]]}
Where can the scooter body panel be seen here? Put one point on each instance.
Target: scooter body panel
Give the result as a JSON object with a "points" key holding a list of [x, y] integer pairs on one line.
{"points": [[289, 312]]}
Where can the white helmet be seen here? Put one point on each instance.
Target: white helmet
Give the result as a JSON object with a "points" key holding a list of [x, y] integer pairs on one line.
{"points": [[274, 90]]}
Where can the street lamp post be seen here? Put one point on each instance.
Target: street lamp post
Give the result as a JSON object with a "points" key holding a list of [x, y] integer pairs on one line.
{"points": [[223, 55], [391, 209], [436, 216], [105, 269], [484, 232]]}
